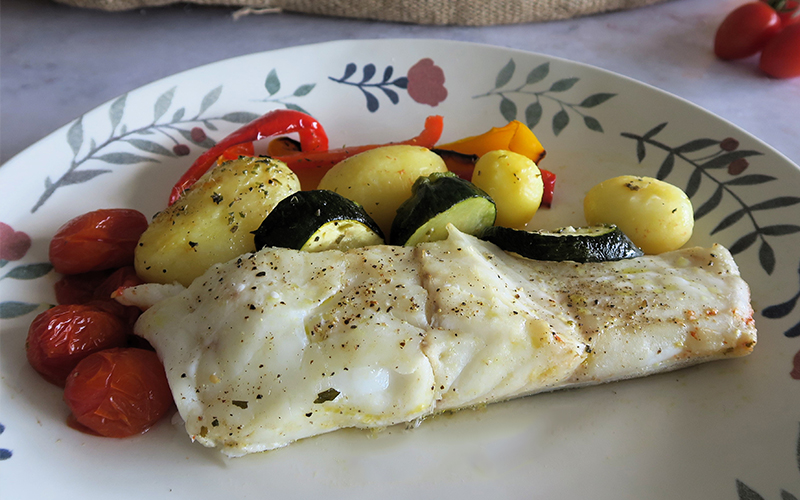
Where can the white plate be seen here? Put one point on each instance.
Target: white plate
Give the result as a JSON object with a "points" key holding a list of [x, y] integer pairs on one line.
{"points": [[714, 431]]}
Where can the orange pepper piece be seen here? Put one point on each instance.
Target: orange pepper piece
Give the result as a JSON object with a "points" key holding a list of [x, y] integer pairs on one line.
{"points": [[515, 136]]}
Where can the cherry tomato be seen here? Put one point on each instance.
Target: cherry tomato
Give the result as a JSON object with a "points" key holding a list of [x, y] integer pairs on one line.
{"points": [[746, 30], [784, 9], [103, 239], [123, 277], [118, 392], [62, 336], [79, 288], [781, 55]]}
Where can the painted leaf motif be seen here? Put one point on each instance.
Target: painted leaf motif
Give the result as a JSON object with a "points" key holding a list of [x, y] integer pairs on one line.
{"points": [[694, 183], [116, 110], [209, 125], [730, 220], [560, 121], [391, 94], [780, 310], [75, 136], [710, 204], [640, 150], [387, 73], [125, 158], [303, 90], [295, 107], [666, 167], [743, 243], [563, 84], [785, 495], [349, 70], [595, 100], [766, 257], [508, 109], [13, 309], [209, 99], [505, 74], [163, 104], [178, 115], [150, 147], [780, 202], [368, 72], [538, 73], [239, 117], [793, 331], [272, 83], [722, 161], [401, 82], [592, 124], [81, 176], [750, 180], [655, 130], [29, 271], [746, 493], [780, 229], [695, 145], [533, 113], [372, 101]]}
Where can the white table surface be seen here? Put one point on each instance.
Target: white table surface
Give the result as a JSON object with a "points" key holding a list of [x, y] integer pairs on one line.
{"points": [[57, 62]]}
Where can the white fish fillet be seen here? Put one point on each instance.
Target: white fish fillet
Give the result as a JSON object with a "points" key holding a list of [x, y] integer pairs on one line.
{"points": [[281, 345]]}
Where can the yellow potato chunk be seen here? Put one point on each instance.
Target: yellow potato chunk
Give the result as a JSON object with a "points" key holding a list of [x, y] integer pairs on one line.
{"points": [[212, 222], [380, 179], [515, 184], [657, 216]]}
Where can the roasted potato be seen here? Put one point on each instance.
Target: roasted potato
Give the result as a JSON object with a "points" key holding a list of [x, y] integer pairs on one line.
{"points": [[380, 179], [212, 222]]}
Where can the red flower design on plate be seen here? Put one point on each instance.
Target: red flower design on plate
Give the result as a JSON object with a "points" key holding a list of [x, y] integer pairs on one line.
{"points": [[426, 83], [13, 244], [795, 373]]}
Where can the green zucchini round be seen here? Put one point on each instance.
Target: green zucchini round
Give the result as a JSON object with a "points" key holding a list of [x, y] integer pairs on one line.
{"points": [[599, 243], [437, 200], [317, 220]]}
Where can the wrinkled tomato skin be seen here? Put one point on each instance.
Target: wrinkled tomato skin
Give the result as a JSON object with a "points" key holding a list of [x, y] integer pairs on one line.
{"points": [[118, 392], [781, 55], [59, 338], [95, 241], [123, 277], [746, 30], [79, 288]]}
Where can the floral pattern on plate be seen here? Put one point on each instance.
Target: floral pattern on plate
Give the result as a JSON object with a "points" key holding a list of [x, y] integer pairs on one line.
{"points": [[157, 128]]}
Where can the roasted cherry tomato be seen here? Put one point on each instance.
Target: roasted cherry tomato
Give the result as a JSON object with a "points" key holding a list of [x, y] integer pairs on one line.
{"points": [[103, 239], [62, 336], [118, 392], [79, 288], [781, 55], [746, 30]]}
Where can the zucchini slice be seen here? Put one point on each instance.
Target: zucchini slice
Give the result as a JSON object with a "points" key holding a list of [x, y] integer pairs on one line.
{"points": [[315, 221], [437, 200], [582, 244]]}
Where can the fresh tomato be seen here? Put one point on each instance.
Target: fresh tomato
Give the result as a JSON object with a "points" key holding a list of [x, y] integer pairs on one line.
{"points": [[59, 338], [785, 9], [103, 239], [746, 30], [118, 392], [781, 56]]}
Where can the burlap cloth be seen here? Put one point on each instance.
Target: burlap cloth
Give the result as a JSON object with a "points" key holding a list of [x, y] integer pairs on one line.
{"points": [[441, 12]]}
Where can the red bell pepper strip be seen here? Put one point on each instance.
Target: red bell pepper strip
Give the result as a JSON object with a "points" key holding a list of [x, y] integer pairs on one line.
{"points": [[279, 121], [310, 167], [549, 181]]}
